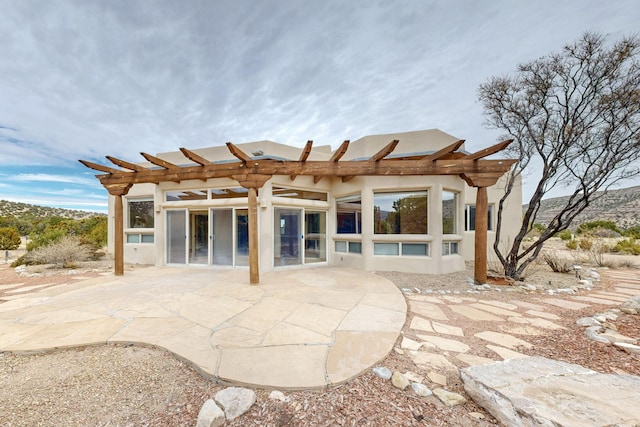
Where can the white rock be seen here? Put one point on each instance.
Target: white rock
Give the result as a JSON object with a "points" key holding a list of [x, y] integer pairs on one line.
{"points": [[421, 389], [210, 415], [544, 392], [593, 333], [235, 401], [412, 376], [632, 303], [382, 372], [587, 321], [629, 348], [278, 395], [565, 291]]}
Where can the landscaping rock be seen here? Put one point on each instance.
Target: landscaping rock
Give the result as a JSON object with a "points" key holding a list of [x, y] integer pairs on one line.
{"points": [[627, 310], [632, 303], [278, 395], [421, 389], [399, 380], [544, 392], [587, 321], [382, 372], [235, 401], [613, 336], [210, 415], [629, 348], [449, 398], [593, 333]]}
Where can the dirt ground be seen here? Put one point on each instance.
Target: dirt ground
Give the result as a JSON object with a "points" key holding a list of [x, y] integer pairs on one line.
{"points": [[119, 385]]}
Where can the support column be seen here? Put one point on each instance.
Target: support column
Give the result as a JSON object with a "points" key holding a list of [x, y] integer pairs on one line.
{"points": [[118, 241], [480, 265], [254, 274]]}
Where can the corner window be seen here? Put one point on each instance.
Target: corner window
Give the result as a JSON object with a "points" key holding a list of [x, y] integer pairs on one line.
{"points": [[470, 217], [349, 215], [140, 213], [449, 209], [400, 213]]}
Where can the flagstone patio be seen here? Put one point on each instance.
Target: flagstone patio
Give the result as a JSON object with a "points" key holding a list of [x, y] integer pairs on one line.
{"points": [[299, 329]]}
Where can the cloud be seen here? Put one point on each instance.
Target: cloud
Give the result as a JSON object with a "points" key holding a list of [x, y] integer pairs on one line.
{"points": [[82, 80]]}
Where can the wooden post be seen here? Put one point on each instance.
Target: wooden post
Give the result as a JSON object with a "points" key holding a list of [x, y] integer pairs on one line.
{"points": [[118, 249], [254, 274], [480, 265]]}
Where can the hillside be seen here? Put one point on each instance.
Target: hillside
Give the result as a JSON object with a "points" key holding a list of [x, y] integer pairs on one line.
{"points": [[24, 210], [621, 206]]}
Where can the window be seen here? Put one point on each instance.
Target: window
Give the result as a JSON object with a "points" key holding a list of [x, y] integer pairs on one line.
{"points": [[449, 209], [449, 248], [229, 193], [400, 213], [350, 247], [139, 238], [349, 215], [400, 248], [140, 213], [470, 217], [299, 194], [185, 196]]}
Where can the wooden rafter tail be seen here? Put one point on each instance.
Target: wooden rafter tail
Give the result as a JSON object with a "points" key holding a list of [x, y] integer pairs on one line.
{"points": [[489, 150], [449, 149], [125, 164], [159, 162], [304, 155], [340, 151], [348, 178], [196, 158], [337, 155], [388, 149], [238, 153], [100, 168]]}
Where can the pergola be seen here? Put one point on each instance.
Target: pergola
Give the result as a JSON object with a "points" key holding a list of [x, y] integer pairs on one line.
{"points": [[251, 173]]}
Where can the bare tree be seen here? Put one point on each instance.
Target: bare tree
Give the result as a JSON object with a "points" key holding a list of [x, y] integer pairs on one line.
{"points": [[575, 118]]}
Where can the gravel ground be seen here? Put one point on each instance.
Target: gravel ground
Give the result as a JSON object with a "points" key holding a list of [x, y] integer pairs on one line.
{"points": [[116, 385]]}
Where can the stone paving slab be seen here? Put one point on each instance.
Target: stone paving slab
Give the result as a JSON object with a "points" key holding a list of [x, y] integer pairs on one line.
{"points": [[299, 329], [630, 292], [428, 310], [475, 314], [563, 303], [595, 300]]}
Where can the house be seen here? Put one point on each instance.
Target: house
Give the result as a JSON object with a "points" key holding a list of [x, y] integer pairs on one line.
{"points": [[323, 207]]}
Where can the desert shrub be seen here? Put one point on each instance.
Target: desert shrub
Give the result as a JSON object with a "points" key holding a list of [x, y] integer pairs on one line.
{"points": [[556, 263], [627, 263], [564, 235], [627, 246], [572, 244], [599, 228], [9, 238], [632, 232], [585, 244], [45, 238], [65, 252]]}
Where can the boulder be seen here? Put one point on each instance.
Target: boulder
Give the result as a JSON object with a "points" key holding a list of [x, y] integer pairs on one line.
{"points": [[235, 401], [544, 392], [210, 415]]}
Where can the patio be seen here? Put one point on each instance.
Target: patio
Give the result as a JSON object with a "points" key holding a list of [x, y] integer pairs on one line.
{"points": [[300, 329]]}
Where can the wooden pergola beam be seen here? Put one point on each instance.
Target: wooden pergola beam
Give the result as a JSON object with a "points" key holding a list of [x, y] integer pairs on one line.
{"points": [[194, 157], [101, 168], [304, 155], [238, 153], [159, 162], [388, 149], [337, 155], [449, 149], [125, 164], [489, 150]]}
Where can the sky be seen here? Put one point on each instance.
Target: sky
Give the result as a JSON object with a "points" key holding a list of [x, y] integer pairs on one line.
{"points": [[86, 79]]}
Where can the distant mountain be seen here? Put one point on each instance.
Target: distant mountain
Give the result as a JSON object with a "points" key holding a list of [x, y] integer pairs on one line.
{"points": [[25, 210], [620, 206]]}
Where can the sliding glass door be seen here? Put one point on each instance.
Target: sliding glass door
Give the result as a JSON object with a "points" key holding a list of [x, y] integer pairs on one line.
{"points": [[299, 236]]}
